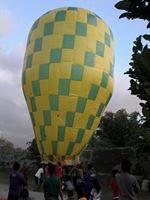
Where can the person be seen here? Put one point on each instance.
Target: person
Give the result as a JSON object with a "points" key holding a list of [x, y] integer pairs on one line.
{"points": [[127, 183], [81, 192], [114, 186], [59, 171], [24, 171], [96, 190], [46, 172], [74, 176], [87, 179], [17, 181], [145, 185], [79, 174], [69, 187], [2, 198], [39, 175], [52, 185]]}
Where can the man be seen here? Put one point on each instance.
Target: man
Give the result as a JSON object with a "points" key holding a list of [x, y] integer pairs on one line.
{"points": [[39, 175], [127, 183], [52, 185], [17, 181]]}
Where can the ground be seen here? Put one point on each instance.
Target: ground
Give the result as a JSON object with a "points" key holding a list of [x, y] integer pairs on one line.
{"points": [[33, 195], [106, 193]]}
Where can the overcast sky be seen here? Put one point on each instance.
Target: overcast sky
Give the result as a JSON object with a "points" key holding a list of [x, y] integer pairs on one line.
{"points": [[16, 19]]}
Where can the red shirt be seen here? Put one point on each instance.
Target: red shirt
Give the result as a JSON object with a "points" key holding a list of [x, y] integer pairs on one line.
{"points": [[115, 188], [59, 172]]}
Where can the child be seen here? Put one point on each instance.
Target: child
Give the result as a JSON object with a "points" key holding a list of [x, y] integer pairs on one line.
{"points": [[81, 195], [81, 191], [96, 190]]}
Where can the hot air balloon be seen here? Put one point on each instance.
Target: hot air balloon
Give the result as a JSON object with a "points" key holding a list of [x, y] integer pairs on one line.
{"points": [[67, 79]]}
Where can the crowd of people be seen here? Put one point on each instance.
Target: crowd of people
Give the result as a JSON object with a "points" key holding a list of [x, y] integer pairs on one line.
{"points": [[77, 182]]}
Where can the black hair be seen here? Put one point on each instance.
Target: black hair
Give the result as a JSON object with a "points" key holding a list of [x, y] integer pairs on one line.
{"points": [[16, 166], [40, 165], [51, 168], [125, 165], [114, 172]]}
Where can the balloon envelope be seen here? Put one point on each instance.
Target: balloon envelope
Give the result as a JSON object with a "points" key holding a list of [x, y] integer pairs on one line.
{"points": [[67, 79]]}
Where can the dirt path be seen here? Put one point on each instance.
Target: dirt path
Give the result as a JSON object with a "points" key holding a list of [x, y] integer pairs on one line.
{"points": [[33, 195], [106, 195]]}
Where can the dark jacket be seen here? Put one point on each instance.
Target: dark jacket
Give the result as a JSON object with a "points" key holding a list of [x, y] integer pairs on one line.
{"points": [[17, 180]]}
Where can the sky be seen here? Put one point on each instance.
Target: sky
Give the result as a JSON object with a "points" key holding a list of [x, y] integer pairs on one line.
{"points": [[16, 19]]}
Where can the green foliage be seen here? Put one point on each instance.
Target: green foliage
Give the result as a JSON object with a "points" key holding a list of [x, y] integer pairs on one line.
{"points": [[135, 9], [6, 146], [32, 149], [120, 129], [9, 154], [139, 71], [140, 75]]}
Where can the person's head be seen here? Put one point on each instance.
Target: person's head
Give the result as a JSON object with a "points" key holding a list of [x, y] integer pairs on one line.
{"points": [[59, 164], [125, 165], [89, 166], [96, 185], [51, 169], [16, 166], [114, 172], [40, 165]]}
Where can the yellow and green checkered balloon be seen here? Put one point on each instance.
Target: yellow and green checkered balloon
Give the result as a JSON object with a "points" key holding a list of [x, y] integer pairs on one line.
{"points": [[67, 79]]}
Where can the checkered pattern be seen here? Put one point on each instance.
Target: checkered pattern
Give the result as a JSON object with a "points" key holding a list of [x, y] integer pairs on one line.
{"points": [[67, 78]]}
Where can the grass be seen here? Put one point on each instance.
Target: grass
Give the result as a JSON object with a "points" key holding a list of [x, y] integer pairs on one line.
{"points": [[4, 176]]}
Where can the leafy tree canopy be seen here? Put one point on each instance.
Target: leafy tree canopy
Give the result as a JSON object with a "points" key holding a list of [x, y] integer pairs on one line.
{"points": [[140, 75], [6, 146], [140, 61], [120, 129], [32, 149], [135, 9]]}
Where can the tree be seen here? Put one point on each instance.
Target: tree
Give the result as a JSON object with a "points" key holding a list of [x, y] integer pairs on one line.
{"points": [[135, 9], [140, 61], [6, 146], [9, 154], [120, 129], [32, 149]]}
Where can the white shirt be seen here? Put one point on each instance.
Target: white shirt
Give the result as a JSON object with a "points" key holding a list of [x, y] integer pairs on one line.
{"points": [[145, 185], [39, 173], [95, 195]]}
